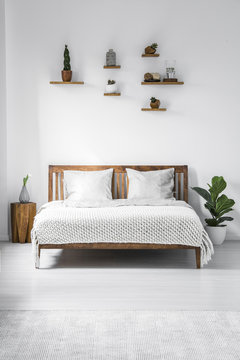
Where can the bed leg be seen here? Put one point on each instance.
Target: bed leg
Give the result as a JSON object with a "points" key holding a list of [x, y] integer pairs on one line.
{"points": [[37, 260], [198, 257]]}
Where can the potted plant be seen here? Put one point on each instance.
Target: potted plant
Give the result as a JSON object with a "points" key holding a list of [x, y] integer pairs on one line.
{"points": [[155, 103], [24, 195], [151, 49], [111, 87], [217, 206], [66, 72]]}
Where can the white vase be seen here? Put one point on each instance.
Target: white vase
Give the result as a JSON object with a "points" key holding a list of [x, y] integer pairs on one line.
{"points": [[217, 234], [24, 197], [111, 89]]}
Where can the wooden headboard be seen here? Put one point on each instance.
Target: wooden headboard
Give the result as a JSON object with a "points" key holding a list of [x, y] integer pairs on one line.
{"points": [[120, 180]]}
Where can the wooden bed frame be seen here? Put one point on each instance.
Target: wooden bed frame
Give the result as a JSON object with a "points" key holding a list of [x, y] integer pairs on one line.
{"points": [[119, 190]]}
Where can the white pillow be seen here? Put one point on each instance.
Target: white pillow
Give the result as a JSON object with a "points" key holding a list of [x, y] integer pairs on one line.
{"points": [[156, 184], [88, 185]]}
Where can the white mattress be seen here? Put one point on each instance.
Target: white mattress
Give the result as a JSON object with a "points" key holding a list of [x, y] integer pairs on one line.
{"points": [[121, 221]]}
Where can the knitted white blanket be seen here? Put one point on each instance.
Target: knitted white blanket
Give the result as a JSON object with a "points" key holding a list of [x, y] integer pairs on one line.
{"points": [[121, 221]]}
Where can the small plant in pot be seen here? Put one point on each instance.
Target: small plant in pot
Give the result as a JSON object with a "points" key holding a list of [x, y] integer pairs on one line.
{"points": [[24, 197], [66, 72], [155, 103], [111, 87], [151, 49], [218, 205]]}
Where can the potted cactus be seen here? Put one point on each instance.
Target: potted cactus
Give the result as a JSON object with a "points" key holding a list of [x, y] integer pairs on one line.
{"points": [[111, 87], [66, 72], [155, 103], [151, 49]]}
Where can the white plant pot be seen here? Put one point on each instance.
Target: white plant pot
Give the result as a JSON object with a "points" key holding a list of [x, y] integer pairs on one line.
{"points": [[217, 234], [111, 89]]}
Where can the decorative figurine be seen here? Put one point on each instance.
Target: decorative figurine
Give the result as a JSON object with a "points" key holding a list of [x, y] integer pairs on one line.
{"points": [[152, 77]]}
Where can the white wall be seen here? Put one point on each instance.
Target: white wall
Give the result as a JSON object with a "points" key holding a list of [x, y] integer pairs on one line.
{"points": [[3, 130], [77, 125]]}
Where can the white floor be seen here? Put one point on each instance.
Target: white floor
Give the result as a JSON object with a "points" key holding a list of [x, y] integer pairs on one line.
{"points": [[119, 280]]}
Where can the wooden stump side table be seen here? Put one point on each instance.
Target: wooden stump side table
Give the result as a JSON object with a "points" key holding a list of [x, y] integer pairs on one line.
{"points": [[22, 216]]}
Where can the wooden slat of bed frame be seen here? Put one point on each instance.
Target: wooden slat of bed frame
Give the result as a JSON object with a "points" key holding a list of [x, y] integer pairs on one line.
{"points": [[185, 185], [61, 185], [119, 178], [174, 187], [179, 186], [56, 185], [118, 185], [123, 185], [50, 184], [113, 186], [127, 185]]}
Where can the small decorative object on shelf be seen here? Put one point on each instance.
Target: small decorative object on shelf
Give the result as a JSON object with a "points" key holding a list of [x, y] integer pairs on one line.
{"points": [[148, 77], [111, 87], [151, 49], [22, 216], [217, 206], [170, 71], [111, 58], [155, 103], [66, 72], [24, 197], [155, 77]]}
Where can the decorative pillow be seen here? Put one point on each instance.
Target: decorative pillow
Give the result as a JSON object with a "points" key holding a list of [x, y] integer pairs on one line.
{"points": [[156, 184], [88, 185]]}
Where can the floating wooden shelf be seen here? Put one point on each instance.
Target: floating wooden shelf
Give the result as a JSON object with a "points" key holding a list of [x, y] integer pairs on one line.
{"points": [[150, 55], [150, 109], [112, 94], [67, 82], [112, 67], [161, 83]]}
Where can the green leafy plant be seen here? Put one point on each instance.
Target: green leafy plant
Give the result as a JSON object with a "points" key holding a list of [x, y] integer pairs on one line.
{"points": [[25, 179], [111, 82], [216, 204], [66, 62], [153, 99], [154, 46]]}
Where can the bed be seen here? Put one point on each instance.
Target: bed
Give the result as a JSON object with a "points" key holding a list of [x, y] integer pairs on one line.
{"points": [[124, 224]]}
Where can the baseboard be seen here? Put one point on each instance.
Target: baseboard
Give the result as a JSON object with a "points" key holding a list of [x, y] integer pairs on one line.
{"points": [[233, 237], [4, 237]]}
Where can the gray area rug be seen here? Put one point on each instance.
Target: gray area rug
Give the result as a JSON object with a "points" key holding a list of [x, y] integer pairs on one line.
{"points": [[125, 335]]}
